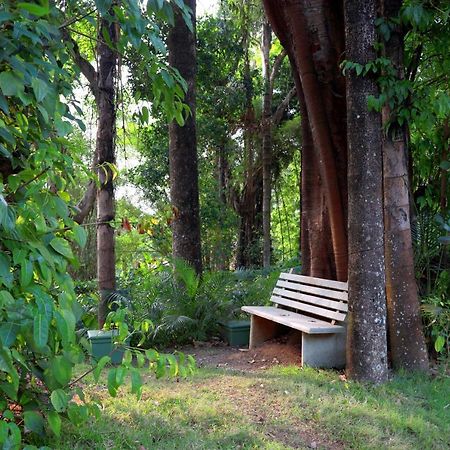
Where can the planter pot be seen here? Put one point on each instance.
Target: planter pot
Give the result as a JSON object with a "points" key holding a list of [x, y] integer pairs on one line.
{"points": [[102, 342], [236, 332]]}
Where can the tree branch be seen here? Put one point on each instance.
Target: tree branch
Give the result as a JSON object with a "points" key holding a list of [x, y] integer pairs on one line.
{"points": [[278, 114], [86, 204], [275, 68], [414, 64], [86, 68]]}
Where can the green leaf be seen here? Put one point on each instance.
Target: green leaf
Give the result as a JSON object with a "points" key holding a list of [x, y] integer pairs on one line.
{"points": [[6, 365], [54, 422], [40, 89], [61, 246], [33, 421], [59, 400], [100, 365], [26, 273], [36, 10], [79, 235], [112, 383], [6, 277], [8, 333], [61, 369], [152, 355], [140, 359], [136, 383], [160, 367], [127, 357], [10, 84], [40, 329], [65, 323], [439, 343]]}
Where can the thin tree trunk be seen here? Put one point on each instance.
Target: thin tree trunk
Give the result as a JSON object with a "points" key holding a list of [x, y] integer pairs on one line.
{"points": [[443, 197], [407, 342], [105, 156], [183, 164], [366, 334], [266, 143]]}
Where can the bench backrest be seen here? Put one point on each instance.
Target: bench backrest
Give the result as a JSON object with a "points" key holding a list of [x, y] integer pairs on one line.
{"points": [[326, 299]]}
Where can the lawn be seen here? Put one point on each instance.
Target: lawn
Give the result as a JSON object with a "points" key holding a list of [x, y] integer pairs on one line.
{"points": [[277, 408]]}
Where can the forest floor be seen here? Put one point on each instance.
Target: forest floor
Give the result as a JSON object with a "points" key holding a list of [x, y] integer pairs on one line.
{"points": [[264, 400]]}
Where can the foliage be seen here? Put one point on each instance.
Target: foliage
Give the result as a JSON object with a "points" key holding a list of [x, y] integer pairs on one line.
{"points": [[432, 262], [184, 308], [38, 308]]}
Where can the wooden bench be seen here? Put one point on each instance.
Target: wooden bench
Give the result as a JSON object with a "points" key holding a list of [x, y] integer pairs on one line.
{"points": [[316, 307]]}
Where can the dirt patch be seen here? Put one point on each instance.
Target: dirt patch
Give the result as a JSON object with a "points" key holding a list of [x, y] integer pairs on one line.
{"points": [[281, 351]]}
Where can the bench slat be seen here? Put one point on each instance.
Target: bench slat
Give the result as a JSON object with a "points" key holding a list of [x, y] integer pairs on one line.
{"points": [[338, 295], [331, 304], [322, 312], [338, 285], [294, 320]]}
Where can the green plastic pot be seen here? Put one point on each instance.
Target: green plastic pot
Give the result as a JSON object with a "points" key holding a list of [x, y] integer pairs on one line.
{"points": [[102, 342], [236, 332]]}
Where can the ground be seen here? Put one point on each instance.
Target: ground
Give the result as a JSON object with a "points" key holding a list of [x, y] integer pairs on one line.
{"points": [[220, 355], [263, 399]]}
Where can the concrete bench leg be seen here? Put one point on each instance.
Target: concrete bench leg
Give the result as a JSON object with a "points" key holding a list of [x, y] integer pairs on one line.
{"points": [[261, 330], [323, 350]]}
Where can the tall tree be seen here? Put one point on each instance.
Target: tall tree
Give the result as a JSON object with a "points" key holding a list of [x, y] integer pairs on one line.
{"points": [[407, 342], [183, 147], [366, 333], [102, 86], [313, 35], [105, 155], [266, 141]]}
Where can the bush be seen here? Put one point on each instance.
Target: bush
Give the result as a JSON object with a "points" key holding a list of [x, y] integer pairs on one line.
{"points": [[184, 308]]}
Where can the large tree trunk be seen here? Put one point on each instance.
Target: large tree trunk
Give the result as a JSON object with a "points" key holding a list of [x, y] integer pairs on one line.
{"points": [[366, 334], [266, 142], [183, 165], [107, 60], [407, 342], [312, 34]]}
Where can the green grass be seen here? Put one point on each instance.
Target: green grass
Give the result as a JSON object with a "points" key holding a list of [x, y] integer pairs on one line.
{"points": [[281, 408]]}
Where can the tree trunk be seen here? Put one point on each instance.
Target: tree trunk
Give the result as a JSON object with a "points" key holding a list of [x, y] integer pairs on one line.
{"points": [[443, 196], [312, 34], [107, 60], [249, 208], [183, 165], [366, 333], [266, 143], [407, 342]]}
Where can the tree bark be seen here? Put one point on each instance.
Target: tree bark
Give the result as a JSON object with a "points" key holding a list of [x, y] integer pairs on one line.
{"points": [[105, 152], [183, 166], [266, 142], [407, 342], [312, 34], [366, 333]]}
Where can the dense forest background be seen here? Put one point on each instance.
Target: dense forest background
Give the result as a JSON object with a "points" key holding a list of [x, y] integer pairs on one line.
{"points": [[159, 169]]}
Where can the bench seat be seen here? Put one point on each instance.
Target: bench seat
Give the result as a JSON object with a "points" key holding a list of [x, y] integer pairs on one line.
{"points": [[315, 307], [294, 320]]}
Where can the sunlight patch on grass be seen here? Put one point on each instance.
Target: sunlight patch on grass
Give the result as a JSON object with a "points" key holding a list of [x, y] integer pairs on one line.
{"points": [[279, 409]]}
